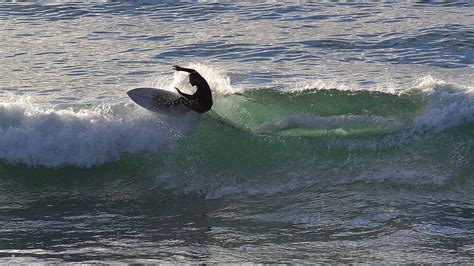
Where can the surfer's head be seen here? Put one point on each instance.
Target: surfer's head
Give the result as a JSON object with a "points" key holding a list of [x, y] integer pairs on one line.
{"points": [[194, 78]]}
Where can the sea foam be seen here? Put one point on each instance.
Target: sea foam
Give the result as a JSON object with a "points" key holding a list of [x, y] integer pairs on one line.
{"points": [[449, 105], [83, 136]]}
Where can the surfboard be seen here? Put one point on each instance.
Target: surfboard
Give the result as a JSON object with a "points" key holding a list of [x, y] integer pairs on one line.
{"points": [[158, 100]]}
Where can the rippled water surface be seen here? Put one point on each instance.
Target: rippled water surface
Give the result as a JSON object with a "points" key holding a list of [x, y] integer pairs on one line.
{"points": [[340, 133]]}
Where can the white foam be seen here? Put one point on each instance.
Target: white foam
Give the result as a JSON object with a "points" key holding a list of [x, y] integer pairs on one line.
{"points": [[85, 137], [319, 84], [449, 105], [218, 81]]}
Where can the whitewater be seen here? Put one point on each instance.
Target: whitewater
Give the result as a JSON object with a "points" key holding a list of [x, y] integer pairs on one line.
{"points": [[340, 133]]}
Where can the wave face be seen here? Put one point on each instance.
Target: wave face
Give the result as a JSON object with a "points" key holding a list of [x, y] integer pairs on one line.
{"points": [[431, 105], [270, 133]]}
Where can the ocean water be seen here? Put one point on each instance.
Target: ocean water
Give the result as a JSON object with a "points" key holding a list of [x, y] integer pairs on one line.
{"points": [[340, 133]]}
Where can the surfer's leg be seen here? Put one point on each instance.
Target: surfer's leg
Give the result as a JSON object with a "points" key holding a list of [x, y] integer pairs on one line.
{"points": [[196, 106], [189, 103], [181, 100]]}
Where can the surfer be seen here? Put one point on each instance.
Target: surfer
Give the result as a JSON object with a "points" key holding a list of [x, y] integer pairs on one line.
{"points": [[201, 100]]}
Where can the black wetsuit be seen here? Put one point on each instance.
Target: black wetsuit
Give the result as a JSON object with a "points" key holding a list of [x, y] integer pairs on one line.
{"points": [[201, 100]]}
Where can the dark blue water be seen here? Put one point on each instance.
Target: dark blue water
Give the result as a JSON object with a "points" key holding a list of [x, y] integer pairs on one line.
{"points": [[340, 133]]}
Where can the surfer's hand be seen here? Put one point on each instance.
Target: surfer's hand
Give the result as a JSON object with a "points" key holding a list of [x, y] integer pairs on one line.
{"points": [[177, 68]]}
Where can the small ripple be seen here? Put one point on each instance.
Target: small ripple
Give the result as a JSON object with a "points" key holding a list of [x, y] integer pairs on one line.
{"points": [[158, 38], [15, 55], [50, 53], [329, 44], [437, 229]]}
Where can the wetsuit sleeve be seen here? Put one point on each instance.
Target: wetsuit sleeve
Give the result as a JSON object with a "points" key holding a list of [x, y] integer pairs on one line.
{"points": [[178, 68]]}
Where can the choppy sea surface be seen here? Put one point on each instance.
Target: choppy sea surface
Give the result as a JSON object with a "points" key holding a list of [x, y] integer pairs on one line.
{"points": [[340, 133]]}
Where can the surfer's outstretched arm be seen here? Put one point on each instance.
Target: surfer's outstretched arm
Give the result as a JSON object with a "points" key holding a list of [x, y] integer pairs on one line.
{"points": [[189, 96], [178, 68]]}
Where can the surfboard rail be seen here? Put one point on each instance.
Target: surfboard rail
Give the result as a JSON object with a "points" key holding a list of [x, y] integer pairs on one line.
{"points": [[158, 100]]}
